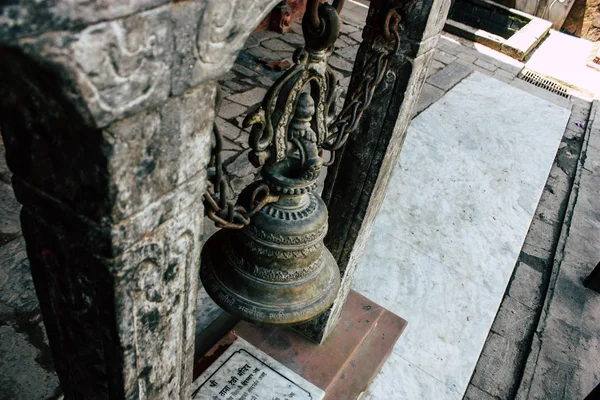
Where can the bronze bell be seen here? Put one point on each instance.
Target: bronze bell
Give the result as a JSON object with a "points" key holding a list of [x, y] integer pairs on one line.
{"points": [[277, 270], [273, 268]]}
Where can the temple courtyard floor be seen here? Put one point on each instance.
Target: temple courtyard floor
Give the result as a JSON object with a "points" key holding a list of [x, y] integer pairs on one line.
{"points": [[488, 229]]}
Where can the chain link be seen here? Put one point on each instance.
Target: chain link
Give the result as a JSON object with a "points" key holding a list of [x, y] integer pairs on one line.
{"points": [[230, 214], [372, 72], [223, 212]]}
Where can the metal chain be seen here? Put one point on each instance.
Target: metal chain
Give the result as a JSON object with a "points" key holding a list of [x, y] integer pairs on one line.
{"points": [[228, 214], [222, 211], [372, 72]]}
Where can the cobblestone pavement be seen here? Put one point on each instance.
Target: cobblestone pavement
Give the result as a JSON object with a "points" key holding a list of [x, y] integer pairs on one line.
{"points": [[26, 370]]}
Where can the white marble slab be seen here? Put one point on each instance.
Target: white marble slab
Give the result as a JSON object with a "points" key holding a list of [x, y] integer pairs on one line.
{"points": [[401, 380], [453, 222], [243, 372]]}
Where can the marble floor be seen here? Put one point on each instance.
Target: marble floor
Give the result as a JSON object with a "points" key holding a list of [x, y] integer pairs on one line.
{"points": [[451, 227]]}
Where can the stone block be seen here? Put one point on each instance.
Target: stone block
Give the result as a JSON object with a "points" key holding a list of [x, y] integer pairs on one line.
{"points": [[567, 156], [503, 76], [260, 53], [574, 133], [550, 378], [474, 393], [485, 65], [557, 368], [209, 44], [569, 295], [541, 239], [9, 212], [120, 67], [241, 167], [444, 57], [278, 46], [231, 110], [232, 133], [482, 70], [429, 95], [496, 371], [17, 293], [244, 70], [340, 64], [354, 16], [347, 28], [558, 180], [509, 67], [592, 161], [356, 35], [514, 320], [582, 249], [434, 67], [449, 45], [585, 220], [22, 376], [293, 38], [527, 286], [30, 18], [349, 52], [152, 153], [552, 205], [235, 87], [5, 173], [343, 41], [467, 56], [449, 76], [250, 97]]}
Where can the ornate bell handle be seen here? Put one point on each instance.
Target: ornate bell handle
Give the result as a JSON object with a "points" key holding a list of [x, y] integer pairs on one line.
{"points": [[284, 125]]}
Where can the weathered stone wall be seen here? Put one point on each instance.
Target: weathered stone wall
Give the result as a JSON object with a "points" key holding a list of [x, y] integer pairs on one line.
{"points": [[106, 114], [584, 20]]}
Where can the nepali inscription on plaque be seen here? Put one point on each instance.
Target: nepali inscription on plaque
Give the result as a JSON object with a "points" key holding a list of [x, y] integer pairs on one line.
{"points": [[245, 373]]}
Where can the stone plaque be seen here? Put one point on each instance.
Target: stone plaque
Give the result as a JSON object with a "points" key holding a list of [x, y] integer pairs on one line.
{"points": [[245, 373]]}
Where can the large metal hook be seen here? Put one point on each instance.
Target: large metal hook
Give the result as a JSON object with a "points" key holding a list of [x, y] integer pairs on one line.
{"points": [[322, 31], [312, 13]]}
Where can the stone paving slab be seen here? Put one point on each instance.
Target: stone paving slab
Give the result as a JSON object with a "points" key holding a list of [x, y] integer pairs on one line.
{"points": [[448, 77], [563, 362]]}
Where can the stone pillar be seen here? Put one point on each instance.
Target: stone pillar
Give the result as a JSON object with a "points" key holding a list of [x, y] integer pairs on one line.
{"points": [[369, 157], [106, 114]]}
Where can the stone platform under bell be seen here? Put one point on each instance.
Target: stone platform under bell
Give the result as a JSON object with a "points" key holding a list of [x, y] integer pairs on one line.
{"points": [[344, 365]]}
